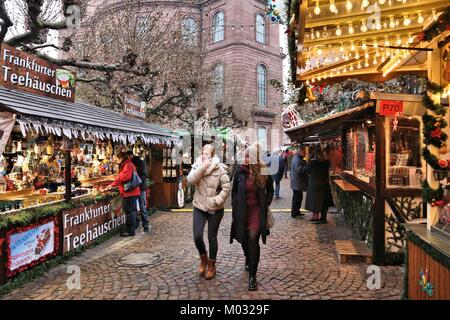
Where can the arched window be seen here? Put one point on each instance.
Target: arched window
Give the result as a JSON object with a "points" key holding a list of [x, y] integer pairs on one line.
{"points": [[218, 27], [218, 82], [260, 28], [262, 85], [189, 31], [262, 136]]}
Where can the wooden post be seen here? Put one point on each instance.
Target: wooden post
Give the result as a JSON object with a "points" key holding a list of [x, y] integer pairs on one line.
{"points": [[68, 177], [380, 180]]}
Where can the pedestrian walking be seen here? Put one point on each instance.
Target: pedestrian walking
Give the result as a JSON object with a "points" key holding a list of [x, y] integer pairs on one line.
{"points": [[141, 169], [129, 194], [318, 196], [299, 182], [212, 188], [251, 197], [278, 176]]}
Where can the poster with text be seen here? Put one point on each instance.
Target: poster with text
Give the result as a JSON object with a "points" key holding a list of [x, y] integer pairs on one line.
{"points": [[28, 246]]}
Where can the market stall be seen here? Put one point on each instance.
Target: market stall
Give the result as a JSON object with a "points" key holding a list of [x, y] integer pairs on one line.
{"points": [[55, 157], [376, 199]]}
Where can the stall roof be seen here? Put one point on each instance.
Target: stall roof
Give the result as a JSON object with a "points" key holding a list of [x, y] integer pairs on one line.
{"points": [[26, 104], [328, 125]]}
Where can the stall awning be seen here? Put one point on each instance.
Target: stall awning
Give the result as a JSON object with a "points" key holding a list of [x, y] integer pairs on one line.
{"points": [[79, 119], [332, 124]]}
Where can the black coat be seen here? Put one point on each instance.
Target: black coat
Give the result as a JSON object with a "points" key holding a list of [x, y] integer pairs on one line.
{"points": [[238, 202], [141, 169], [319, 194]]}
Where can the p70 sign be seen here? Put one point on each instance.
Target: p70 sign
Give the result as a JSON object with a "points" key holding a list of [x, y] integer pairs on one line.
{"points": [[390, 108]]}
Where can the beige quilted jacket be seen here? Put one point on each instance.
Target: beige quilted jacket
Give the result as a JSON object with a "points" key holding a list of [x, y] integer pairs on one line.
{"points": [[212, 186]]}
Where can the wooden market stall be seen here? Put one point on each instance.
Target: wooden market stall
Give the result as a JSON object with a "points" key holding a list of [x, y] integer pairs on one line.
{"points": [[55, 157]]}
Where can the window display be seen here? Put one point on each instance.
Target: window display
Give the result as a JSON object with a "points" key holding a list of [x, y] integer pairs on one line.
{"points": [[169, 166], [403, 152], [360, 152]]}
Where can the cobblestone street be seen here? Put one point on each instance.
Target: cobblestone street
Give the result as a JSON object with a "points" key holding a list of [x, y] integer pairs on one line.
{"points": [[299, 262]]}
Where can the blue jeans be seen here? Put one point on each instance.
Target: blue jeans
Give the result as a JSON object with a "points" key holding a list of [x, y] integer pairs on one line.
{"points": [[143, 210], [277, 188], [130, 208]]}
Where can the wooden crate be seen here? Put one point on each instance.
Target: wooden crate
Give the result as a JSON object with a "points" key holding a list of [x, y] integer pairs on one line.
{"points": [[347, 248]]}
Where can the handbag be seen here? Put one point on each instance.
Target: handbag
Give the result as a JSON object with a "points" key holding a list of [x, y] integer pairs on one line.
{"points": [[270, 219], [133, 183]]}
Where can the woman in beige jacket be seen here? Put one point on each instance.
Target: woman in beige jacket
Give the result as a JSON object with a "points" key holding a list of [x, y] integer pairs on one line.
{"points": [[212, 188]]}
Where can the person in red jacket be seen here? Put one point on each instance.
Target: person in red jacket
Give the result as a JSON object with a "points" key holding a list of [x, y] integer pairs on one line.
{"points": [[129, 198]]}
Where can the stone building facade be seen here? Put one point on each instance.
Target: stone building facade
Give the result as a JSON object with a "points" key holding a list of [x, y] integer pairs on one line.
{"points": [[244, 50]]}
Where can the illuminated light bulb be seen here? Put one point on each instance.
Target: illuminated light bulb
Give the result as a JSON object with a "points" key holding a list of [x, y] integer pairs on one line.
{"points": [[363, 45], [351, 30], [344, 70], [317, 34], [333, 7], [399, 41], [313, 80], [317, 9], [377, 54], [319, 78], [387, 42], [336, 59], [378, 25], [312, 36], [341, 49], [359, 65], [381, 1], [375, 60], [365, 4], [390, 2], [375, 44], [367, 64], [319, 52], [363, 26], [392, 23], [307, 81], [325, 32], [349, 5], [420, 18], [352, 68], [406, 21], [410, 39], [435, 17], [357, 56], [339, 72], [352, 46], [366, 55], [338, 31]]}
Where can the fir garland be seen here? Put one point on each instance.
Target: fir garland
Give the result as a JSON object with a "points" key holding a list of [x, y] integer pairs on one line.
{"points": [[31, 215], [433, 135]]}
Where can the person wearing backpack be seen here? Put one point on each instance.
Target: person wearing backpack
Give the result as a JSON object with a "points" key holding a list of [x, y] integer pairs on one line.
{"points": [[212, 188], [299, 182], [142, 173], [129, 195]]}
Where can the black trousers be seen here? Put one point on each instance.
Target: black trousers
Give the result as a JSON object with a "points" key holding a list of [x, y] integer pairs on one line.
{"points": [[297, 199], [251, 249], [213, 220]]}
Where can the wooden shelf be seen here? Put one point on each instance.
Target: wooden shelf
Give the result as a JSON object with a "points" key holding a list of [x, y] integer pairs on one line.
{"points": [[346, 186]]}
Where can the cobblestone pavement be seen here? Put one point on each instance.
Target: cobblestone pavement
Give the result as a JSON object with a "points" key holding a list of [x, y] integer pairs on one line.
{"points": [[298, 262]]}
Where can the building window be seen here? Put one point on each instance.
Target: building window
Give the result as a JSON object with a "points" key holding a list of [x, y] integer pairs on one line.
{"points": [[262, 85], [189, 31], [142, 26], [218, 81], [218, 27], [262, 137], [260, 29]]}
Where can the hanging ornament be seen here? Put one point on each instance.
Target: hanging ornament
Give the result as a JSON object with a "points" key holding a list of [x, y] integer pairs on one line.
{"points": [[275, 12], [310, 94], [443, 163], [293, 115]]}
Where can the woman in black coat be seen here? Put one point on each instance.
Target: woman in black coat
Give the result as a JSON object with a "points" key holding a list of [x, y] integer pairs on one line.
{"points": [[318, 196], [251, 196]]}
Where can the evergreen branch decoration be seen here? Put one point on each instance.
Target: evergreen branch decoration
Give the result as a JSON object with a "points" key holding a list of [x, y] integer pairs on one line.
{"points": [[433, 135]]}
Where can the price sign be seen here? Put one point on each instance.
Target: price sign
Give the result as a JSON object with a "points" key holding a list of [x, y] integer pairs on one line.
{"points": [[390, 107]]}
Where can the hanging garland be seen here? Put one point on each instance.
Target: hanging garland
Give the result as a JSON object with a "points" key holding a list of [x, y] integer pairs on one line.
{"points": [[434, 135]]}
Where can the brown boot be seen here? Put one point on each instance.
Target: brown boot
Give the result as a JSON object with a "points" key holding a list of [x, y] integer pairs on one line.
{"points": [[211, 269], [203, 262]]}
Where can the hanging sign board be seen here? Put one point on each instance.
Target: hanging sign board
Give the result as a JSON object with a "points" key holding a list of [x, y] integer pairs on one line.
{"points": [[390, 107], [22, 71], [133, 107]]}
